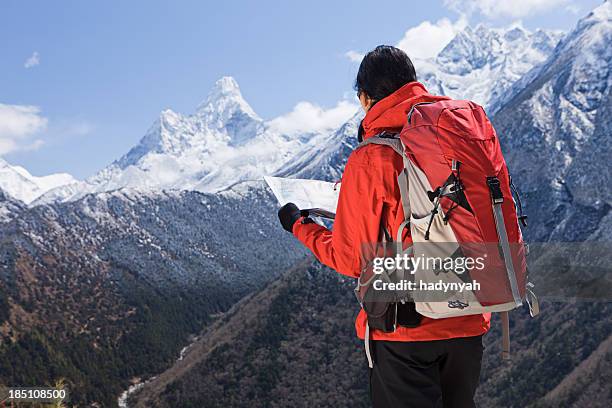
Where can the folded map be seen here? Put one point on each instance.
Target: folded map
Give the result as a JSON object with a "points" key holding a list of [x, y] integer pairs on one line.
{"points": [[320, 198]]}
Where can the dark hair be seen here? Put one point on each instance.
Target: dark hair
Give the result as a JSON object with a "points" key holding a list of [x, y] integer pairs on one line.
{"points": [[383, 71]]}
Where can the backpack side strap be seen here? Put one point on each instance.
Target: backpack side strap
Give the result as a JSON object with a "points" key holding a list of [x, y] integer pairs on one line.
{"points": [[505, 321]]}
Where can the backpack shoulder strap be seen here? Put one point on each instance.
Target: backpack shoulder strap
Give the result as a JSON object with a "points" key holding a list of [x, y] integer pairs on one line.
{"points": [[393, 141], [386, 139]]}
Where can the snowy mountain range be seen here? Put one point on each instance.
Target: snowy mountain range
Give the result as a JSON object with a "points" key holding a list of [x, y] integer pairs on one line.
{"points": [[480, 64], [20, 184], [224, 141], [555, 130]]}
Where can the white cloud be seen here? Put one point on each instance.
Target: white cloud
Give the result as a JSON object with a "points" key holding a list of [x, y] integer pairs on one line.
{"points": [[32, 61], [428, 39], [308, 117], [503, 8], [354, 56], [424, 40], [17, 124]]}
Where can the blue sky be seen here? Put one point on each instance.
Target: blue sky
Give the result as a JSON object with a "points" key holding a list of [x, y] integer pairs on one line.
{"points": [[81, 81]]}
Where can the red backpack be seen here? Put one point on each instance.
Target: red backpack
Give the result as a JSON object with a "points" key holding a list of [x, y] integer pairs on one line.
{"points": [[458, 203]]}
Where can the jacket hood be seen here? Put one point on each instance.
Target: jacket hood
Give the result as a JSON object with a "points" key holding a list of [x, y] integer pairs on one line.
{"points": [[389, 114]]}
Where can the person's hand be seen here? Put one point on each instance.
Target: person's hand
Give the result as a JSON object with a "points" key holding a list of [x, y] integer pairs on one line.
{"points": [[288, 215]]}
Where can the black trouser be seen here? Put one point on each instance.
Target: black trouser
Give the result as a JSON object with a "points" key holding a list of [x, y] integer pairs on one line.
{"points": [[425, 374]]}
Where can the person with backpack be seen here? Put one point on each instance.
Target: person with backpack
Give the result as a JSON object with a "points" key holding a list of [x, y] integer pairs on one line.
{"points": [[416, 360]]}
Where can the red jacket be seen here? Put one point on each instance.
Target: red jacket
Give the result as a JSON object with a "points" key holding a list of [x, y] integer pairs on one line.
{"points": [[369, 194]]}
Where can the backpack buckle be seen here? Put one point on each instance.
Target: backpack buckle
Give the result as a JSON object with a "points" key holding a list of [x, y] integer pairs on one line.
{"points": [[495, 189]]}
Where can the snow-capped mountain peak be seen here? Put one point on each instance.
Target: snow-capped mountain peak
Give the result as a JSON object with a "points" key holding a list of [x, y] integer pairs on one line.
{"points": [[225, 110], [224, 118], [224, 95], [482, 63], [223, 142], [20, 184], [465, 52], [162, 137], [473, 49]]}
